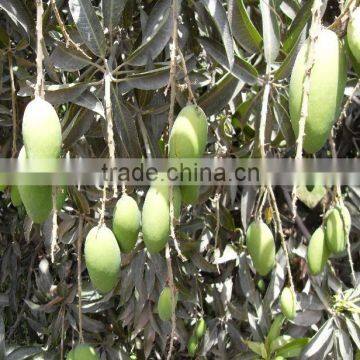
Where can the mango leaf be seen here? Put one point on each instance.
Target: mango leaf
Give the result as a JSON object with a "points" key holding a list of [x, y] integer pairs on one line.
{"points": [[125, 125], [19, 14], [88, 25], [217, 12], [68, 59], [241, 69], [24, 353], [271, 30], [156, 35], [214, 100], [112, 11], [286, 66], [297, 26], [257, 347], [292, 348], [244, 31]]}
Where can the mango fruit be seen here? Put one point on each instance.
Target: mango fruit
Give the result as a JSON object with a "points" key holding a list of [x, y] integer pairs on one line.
{"points": [[317, 252], [102, 257], [41, 130], [15, 196], [156, 216], [200, 329], [36, 199], [337, 228], [261, 246], [192, 346], [327, 85], [164, 306], [83, 352], [353, 34], [188, 136], [126, 222], [189, 194], [288, 303]]}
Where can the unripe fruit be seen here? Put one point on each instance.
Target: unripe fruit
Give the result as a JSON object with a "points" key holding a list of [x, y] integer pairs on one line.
{"points": [[200, 329], [126, 222], [327, 84], [36, 199], [165, 304], [156, 216], [15, 196], [287, 303], [82, 352], [192, 346], [261, 285], [188, 136], [261, 246], [189, 194], [317, 252], [41, 130], [337, 228], [353, 34], [102, 256]]}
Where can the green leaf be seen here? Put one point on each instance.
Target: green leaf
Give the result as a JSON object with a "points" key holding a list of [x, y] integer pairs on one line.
{"points": [[271, 30], [241, 69], [217, 12], [156, 35], [275, 328], [293, 348], [112, 11], [279, 342], [297, 26], [257, 347], [285, 68], [214, 100], [244, 31], [88, 25]]}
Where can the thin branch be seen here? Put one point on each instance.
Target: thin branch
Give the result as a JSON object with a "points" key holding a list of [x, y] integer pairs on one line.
{"points": [[13, 105], [109, 121], [304, 110], [54, 229], [68, 40], [282, 237], [264, 112], [173, 297], [79, 284], [348, 103], [191, 96], [39, 88]]}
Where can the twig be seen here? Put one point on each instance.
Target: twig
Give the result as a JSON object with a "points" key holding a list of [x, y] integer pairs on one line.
{"points": [[191, 97], [173, 304], [68, 40], [109, 121], [79, 287], [54, 223], [264, 112], [103, 205], [13, 105], [216, 200], [344, 16], [304, 110], [347, 103], [62, 311], [172, 85], [39, 88], [282, 237]]}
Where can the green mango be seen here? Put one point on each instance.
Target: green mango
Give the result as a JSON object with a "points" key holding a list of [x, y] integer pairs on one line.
{"points": [[200, 329], [327, 85], [156, 216], [337, 228], [15, 196], [102, 257], [164, 306], [353, 34], [193, 346], [317, 252], [41, 130], [83, 352], [288, 303], [126, 223], [188, 136], [261, 246]]}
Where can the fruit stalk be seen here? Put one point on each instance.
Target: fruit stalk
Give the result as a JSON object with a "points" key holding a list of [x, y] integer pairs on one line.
{"points": [[39, 87], [313, 34]]}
